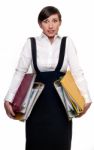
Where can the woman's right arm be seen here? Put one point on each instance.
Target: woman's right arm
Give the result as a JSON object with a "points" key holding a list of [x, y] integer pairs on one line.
{"points": [[22, 67]]}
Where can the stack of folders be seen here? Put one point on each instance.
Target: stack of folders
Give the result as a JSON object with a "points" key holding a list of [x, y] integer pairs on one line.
{"points": [[70, 95], [26, 97]]}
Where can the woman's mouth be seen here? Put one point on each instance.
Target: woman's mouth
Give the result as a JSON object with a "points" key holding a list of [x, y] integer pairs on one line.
{"points": [[51, 31]]}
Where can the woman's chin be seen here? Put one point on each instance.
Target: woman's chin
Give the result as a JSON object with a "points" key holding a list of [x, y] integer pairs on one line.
{"points": [[51, 35]]}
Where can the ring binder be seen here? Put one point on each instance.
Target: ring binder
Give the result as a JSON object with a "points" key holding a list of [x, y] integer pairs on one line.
{"points": [[70, 95], [26, 96]]}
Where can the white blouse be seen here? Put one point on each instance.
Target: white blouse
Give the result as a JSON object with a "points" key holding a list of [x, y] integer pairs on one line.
{"points": [[47, 59]]}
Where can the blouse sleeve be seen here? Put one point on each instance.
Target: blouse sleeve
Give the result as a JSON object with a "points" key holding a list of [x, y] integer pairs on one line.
{"points": [[22, 67], [76, 70]]}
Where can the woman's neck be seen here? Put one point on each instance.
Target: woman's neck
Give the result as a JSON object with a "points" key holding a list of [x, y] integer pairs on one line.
{"points": [[51, 39]]}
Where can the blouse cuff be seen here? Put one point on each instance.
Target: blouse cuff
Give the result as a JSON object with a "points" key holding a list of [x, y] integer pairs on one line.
{"points": [[9, 97], [87, 98]]}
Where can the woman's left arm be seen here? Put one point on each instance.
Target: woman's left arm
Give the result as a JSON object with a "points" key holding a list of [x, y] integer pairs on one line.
{"points": [[77, 72]]}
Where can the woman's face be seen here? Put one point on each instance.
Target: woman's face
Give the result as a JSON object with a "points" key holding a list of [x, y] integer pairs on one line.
{"points": [[50, 26]]}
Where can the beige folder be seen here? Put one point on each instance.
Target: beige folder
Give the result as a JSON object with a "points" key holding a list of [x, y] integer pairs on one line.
{"points": [[69, 108]]}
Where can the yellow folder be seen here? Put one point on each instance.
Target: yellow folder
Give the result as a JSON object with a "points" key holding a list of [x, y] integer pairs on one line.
{"points": [[71, 88]]}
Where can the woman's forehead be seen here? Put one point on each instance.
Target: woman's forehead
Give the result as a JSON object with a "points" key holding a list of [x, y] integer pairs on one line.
{"points": [[54, 16]]}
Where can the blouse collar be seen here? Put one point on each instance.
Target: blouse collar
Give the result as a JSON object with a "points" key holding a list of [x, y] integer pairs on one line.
{"points": [[44, 36]]}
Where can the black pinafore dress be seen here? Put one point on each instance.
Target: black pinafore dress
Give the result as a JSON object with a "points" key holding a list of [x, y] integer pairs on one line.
{"points": [[48, 127]]}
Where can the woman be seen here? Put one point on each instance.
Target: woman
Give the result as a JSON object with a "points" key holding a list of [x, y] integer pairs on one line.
{"points": [[47, 127]]}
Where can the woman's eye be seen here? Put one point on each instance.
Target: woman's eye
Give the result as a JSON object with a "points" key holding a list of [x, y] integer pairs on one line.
{"points": [[45, 21], [55, 20]]}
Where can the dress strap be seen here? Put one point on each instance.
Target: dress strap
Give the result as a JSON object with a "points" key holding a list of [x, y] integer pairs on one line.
{"points": [[61, 54], [34, 54]]}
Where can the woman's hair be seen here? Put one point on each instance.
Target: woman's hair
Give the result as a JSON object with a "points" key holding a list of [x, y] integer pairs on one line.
{"points": [[47, 12]]}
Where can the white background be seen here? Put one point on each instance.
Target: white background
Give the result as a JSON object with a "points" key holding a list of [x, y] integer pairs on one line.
{"points": [[18, 21]]}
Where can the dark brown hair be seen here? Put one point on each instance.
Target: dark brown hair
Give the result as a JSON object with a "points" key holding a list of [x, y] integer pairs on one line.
{"points": [[47, 12]]}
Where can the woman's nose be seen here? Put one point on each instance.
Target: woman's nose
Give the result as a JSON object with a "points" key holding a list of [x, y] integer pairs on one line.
{"points": [[50, 25]]}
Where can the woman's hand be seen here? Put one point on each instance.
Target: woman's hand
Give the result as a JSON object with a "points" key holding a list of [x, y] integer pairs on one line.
{"points": [[9, 110], [87, 105]]}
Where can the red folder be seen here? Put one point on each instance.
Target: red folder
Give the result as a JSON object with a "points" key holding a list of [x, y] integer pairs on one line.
{"points": [[27, 81]]}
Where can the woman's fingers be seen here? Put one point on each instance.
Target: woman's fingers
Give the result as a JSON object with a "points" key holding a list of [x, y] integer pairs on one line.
{"points": [[87, 105], [9, 109]]}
